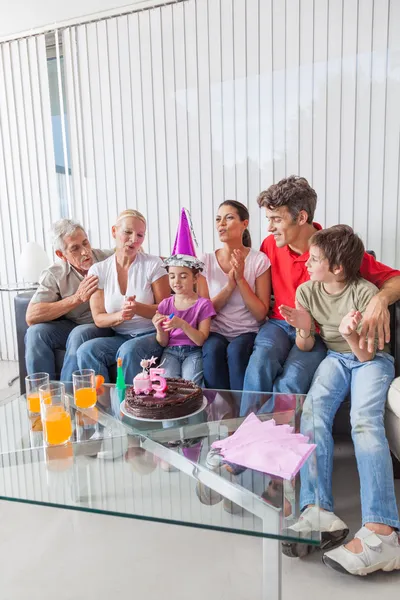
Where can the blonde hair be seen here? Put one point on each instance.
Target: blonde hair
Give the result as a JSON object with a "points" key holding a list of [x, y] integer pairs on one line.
{"points": [[130, 212]]}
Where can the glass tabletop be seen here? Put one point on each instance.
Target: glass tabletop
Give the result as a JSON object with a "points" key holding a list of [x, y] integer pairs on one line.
{"points": [[163, 471]]}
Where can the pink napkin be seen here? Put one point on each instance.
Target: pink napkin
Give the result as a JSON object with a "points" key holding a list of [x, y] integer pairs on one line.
{"points": [[266, 447]]}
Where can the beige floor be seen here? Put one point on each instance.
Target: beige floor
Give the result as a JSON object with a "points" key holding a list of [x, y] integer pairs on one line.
{"points": [[48, 553]]}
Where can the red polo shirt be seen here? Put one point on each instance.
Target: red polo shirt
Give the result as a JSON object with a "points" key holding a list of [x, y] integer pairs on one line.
{"points": [[288, 271]]}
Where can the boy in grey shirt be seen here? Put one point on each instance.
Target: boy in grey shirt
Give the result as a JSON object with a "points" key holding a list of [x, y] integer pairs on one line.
{"points": [[334, 300]]}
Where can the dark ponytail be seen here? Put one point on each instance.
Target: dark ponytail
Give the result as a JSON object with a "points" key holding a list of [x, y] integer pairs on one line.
{"points": [[246, 238], [243, 213]]}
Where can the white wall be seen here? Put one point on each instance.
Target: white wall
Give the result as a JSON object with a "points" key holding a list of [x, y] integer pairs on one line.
{"points": [[23, 15], [193, 103]]}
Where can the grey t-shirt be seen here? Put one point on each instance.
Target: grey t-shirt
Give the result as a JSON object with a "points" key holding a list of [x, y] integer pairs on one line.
{"points": [[328, 310], [60, 281]]}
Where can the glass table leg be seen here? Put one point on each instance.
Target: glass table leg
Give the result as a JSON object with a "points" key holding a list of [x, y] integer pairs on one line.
{"points": [[272, 566]]}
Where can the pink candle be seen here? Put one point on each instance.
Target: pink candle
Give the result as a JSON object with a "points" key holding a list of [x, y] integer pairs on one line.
{"points": [[156, 375]]}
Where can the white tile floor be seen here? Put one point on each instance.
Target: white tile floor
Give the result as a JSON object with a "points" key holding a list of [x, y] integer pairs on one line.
{"points": [[48, 553]]}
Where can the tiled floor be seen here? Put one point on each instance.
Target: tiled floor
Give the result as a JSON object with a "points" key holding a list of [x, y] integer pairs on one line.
{"points": [[48, 553]]}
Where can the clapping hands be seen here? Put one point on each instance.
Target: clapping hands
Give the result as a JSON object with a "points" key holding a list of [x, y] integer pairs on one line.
{"points": [[129, 308], [237, 264], [350, 322], [163, 323], [297, 317]]}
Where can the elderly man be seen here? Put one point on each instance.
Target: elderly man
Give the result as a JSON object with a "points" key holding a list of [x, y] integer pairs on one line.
{"points": [[58, 314]]}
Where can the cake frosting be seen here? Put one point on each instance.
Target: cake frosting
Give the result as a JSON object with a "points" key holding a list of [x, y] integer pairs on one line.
{"points": [[181, 398]]}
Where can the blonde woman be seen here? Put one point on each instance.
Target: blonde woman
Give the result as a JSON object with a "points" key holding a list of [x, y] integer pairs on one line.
{"points": [[131, 285]]}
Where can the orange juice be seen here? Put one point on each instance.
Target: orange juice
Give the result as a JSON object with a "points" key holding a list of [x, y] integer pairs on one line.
{"points": [[57, 425], [85, 397], [33, 402]]}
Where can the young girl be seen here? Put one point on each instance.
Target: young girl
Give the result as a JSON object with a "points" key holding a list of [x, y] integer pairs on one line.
{"points": [[183, 320]]}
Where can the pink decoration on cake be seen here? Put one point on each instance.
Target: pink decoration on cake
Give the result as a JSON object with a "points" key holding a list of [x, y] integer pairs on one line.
{"points": [[183, 241], [143, 383]]}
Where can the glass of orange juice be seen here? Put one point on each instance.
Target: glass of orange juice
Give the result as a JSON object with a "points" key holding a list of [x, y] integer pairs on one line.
{"points": [[84, 388], [56, 417], [32, 385]]}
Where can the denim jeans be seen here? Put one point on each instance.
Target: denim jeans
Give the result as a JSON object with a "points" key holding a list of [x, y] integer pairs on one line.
{"points": [[183, 361], [368, 382], [278, 365], [102, 353], [43, 339], [225, 361]]}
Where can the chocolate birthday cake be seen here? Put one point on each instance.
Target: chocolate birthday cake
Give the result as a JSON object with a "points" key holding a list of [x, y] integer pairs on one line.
{"points": [[182, 398]]}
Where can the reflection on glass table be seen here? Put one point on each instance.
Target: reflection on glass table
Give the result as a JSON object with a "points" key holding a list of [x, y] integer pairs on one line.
{"points": [[154, 471]]}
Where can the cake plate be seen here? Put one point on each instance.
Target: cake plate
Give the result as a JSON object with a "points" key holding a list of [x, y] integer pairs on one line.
{"points": [[168, 421]]}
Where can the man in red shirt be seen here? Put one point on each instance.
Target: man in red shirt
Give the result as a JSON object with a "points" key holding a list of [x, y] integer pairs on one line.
{"points": [[276, 364]]}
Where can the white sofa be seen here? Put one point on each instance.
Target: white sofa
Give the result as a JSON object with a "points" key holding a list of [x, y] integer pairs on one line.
{"points": [[392, 418]]}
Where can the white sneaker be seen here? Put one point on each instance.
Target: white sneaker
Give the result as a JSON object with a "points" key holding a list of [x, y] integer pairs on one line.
{"points": [[380, 552], [314, 520], [214, 459]]}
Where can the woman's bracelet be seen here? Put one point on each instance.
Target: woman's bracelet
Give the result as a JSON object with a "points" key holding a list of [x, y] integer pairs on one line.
{"points": [[304, 337]]}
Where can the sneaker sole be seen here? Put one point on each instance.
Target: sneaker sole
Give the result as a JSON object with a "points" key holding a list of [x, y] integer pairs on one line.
{"points": [[329, 540], [393, 565]]}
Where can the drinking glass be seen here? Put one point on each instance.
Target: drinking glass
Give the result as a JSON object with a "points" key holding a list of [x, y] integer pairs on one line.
{"points": [[86, 424], [32, 385], [56, 418], [84, 388]]}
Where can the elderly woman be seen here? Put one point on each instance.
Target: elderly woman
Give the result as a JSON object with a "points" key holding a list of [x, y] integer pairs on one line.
{"points": [[237, 279], [131, 285]]}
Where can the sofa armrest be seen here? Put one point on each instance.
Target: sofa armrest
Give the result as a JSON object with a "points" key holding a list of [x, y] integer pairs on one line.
{"points": [[21, 302]]}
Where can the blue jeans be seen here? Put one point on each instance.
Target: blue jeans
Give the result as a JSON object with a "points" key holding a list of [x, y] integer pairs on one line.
{"points": [[183, 361], [368, 382], [102, 353], [278, 365], [225, 362], [43, 339]]}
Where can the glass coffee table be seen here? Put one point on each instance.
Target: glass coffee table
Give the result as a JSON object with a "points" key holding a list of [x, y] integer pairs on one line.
{"points": [[157, 471]]}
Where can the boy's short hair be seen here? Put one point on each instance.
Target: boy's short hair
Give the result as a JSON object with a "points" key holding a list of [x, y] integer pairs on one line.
{"points": [[294, 192], [341, 247]]}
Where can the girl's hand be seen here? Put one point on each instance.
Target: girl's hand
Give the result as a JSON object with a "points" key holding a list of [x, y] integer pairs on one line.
{"points": [[174, 323], [158, 320], [237, 263], [350, 323], [297, 317]]}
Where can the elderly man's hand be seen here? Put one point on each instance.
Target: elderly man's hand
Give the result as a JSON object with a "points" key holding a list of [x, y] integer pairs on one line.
{"points": [[376, 321], [87, 287]]}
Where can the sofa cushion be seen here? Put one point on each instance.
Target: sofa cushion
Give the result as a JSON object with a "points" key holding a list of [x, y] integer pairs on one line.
{"points": [[393, 401]]}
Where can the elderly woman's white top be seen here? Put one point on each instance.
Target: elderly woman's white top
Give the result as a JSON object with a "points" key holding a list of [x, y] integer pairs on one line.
{"points": [[144, 271]]}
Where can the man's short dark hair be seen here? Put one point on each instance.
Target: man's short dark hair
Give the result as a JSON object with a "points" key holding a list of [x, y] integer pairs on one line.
{"points": [[342, 248], [294, 192]]}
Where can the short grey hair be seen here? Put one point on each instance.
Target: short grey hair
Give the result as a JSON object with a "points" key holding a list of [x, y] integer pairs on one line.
{"points": [[62, 229]]}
